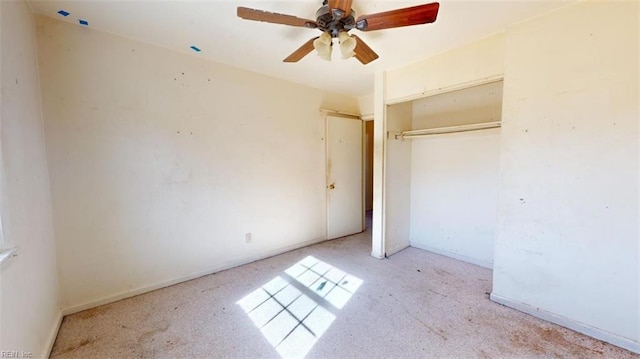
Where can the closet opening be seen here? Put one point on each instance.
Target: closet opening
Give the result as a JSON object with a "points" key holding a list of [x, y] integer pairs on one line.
{"points": [[441, 171]]}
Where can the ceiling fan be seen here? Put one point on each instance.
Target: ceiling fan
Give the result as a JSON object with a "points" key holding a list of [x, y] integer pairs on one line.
{"points": [[335, 18]]}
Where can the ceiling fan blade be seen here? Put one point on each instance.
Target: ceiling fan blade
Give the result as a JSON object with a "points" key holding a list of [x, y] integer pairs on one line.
{"points": [[301, 52], [274, 18], [363, 52], [415, 15], [343, 5]]}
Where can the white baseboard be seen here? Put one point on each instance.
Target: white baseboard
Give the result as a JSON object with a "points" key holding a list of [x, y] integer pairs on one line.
{"points": [[131, 293], [608, 337], [53, 334], [478, 262]]}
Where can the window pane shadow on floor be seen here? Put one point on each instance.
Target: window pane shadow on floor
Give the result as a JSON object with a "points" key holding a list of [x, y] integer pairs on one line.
{"points": [[290, 310]]}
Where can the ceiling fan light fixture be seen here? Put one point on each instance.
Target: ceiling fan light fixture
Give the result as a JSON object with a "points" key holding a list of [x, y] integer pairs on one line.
{"points": [[335, 18], [323, 46], [347, 45]]}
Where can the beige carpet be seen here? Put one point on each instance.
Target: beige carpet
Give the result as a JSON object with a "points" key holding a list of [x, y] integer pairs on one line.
{"points": [[331, 300]]}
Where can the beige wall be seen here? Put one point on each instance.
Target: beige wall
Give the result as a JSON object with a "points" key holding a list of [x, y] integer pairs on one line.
{"points": [[365, 105], [162, 162], [567, 240], [29, 313], [480, 60]]}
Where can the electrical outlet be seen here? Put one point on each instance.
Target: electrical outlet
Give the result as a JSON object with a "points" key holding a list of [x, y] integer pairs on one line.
{"points": [[248, 238]]}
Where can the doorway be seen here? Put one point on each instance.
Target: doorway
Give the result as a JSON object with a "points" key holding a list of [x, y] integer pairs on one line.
{"points": [[368, 167]]}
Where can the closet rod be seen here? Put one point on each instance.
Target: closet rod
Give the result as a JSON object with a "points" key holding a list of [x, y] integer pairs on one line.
{"points": [[340, 113], [451, 129]]}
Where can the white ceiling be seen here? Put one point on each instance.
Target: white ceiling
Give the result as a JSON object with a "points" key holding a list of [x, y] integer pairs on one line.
{"points": [[223, 37]]}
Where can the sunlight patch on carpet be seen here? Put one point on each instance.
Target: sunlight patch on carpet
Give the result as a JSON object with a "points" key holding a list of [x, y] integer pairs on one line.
{"points": [[292, 319]]}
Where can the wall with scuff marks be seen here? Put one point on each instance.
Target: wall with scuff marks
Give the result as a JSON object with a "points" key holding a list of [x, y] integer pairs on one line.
{"points": [[161, 163], [29, 308], [567, 238]]}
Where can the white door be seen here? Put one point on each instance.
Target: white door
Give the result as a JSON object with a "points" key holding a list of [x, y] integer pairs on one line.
{"points": [[345, 212]]}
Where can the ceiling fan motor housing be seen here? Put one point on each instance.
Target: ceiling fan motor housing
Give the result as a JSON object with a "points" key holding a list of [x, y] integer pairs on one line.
{"points": [[333, 23]]}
